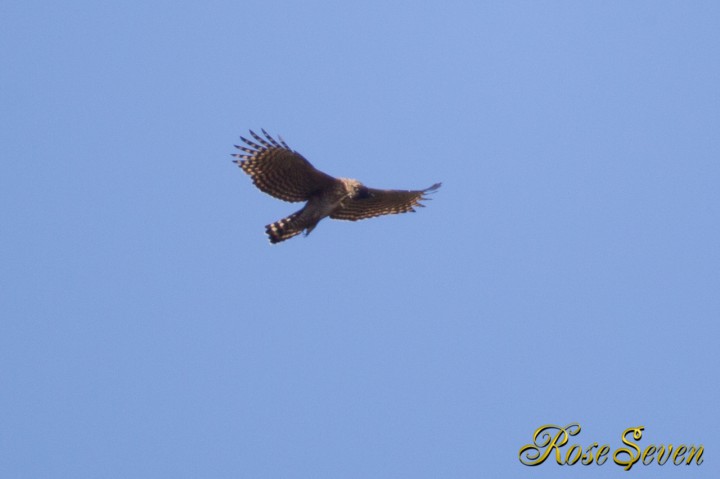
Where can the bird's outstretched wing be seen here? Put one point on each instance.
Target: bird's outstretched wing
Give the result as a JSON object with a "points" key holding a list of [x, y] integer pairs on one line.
{"points": [[381, 202], [279, 171]]}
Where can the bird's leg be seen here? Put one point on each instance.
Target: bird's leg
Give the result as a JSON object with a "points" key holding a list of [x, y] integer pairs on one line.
{"points": [[310, 228]]}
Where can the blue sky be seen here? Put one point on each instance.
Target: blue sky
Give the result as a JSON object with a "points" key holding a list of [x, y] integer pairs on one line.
{"points": [[567, 271]]}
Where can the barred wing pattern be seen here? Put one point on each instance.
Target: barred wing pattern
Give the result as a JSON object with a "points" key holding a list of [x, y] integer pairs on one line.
{"points": [[279, 171], [382, 202]]}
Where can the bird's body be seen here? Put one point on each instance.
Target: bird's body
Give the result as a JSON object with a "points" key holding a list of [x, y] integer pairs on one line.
{"points": [[319, 206], [285, 174]]}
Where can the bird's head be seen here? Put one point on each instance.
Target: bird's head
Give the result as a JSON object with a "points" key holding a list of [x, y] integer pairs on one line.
{"points": [[355, 189]]}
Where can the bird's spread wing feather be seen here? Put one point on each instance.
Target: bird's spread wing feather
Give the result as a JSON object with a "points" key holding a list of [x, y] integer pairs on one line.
{"points": [[381, 202], [279, 171]]}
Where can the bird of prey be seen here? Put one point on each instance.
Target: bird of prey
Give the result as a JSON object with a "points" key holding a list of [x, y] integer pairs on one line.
{"points": [[285, 174]]}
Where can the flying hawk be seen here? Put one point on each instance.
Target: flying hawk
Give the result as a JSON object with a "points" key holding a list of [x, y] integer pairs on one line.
{"points": [[285, 174]]}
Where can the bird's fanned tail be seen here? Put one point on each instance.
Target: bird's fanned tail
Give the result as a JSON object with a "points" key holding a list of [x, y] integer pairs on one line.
{"points": [[286, 228]]}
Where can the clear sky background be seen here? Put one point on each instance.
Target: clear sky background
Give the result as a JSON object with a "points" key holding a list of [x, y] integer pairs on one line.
{"points": [[567, 271]]}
